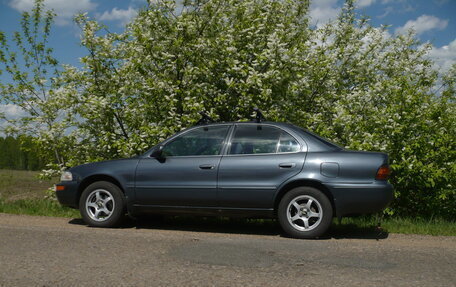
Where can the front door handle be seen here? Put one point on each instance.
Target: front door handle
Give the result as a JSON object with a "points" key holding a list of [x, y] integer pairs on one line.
{"points": [[287, 165], [206, 166]]}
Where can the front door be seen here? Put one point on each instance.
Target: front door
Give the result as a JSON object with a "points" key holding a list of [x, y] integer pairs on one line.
{"points": [[187, 173]]}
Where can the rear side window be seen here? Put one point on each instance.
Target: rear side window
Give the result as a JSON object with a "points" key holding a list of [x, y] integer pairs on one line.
{"points": [[258, 139], [200, 141], [287, 143]]}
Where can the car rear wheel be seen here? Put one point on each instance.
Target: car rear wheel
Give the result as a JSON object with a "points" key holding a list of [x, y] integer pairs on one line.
{"points": [[305, 212], [102, 204]]}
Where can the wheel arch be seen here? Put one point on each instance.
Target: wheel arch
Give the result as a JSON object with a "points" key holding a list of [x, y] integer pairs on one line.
{"points": [[303, 182], [94, 178]]}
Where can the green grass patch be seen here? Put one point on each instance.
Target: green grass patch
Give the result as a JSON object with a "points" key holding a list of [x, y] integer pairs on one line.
{"points": [[23, 184], [43, 207], [22, 192], [432, 226]]}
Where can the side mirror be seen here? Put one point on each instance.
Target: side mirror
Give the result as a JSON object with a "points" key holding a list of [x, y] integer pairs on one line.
{"points": [[158, 153]]}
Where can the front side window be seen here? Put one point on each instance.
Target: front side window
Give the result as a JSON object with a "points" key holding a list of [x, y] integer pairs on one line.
{"points": [[200, 141], [258, 139]]}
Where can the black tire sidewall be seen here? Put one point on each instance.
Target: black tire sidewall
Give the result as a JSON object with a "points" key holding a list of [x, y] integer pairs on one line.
{"points": [[119, 200], [325, 205]]}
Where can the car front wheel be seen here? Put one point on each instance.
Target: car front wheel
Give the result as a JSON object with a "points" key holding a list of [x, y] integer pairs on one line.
{"points": [[305, 212], [102, 204]]}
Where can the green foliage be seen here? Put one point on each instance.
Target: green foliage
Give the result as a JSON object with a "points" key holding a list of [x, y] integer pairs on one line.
{"points": [[20, 153], [348, 81]]}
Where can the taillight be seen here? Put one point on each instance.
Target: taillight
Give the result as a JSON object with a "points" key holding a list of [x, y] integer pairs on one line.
{"points": [[383, 173]]}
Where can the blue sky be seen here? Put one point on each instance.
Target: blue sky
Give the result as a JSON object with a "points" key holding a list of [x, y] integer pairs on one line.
{"points": [[433, 20], [65, 34]]}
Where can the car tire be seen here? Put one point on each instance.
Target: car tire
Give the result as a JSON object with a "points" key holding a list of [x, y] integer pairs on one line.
{"points": [[102, 204], [305, 212]]}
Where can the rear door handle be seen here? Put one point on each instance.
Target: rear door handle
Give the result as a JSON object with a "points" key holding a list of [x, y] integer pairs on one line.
{"points": [[206, 166], [287, 165]]}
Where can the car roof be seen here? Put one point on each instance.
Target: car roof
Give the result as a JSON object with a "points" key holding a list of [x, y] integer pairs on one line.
{"points": [[250, 122]]}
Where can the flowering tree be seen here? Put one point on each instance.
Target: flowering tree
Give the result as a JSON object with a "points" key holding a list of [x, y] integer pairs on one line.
{"points": [[348, 81], [34, 87]]}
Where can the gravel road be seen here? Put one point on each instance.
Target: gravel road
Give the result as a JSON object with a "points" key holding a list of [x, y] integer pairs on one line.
{"points": [[46, 251]]}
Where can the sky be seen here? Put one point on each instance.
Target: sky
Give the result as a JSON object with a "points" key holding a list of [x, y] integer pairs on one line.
{"points": [[433, 20]]}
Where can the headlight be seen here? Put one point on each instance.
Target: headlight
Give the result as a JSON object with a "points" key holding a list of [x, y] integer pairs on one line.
{"points": [[66, 176]]}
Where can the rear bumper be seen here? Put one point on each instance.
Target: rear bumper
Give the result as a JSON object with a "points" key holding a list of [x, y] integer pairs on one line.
{"points": [[67, 193], [361, 198]]}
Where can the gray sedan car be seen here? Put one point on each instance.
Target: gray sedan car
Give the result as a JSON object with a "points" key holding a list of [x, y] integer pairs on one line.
{"points": [[247, 169]]}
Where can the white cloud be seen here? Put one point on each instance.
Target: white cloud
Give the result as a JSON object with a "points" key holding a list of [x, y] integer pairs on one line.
{"points": [[401, 6], [423, 24], [122, 15], [444, 56], [386, 12], [364, 3], [65, 9], [322, 11], [11, 111]]}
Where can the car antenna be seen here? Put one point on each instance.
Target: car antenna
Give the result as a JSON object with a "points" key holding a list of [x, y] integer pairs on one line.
{"points": [[259, 115], [205, 119]]}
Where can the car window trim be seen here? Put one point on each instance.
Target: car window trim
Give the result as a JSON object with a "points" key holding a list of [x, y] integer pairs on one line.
{"points": [[233, 130]]}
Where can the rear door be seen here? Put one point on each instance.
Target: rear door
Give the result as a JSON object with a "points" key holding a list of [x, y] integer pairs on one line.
{"points": [[259, 159]]}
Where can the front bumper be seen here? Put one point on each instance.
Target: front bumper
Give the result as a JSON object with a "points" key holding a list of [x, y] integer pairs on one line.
{"points": [[361, 198], [67, 193]]}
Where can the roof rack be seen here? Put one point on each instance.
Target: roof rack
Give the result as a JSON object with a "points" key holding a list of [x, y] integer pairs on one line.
{"points": [[259, 115], [205, 119]]}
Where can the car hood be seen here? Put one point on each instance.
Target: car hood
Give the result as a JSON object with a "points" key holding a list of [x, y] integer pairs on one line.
{"points": [[92, 167]]}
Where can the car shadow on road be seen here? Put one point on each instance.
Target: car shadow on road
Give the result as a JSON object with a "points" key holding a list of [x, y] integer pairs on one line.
{"points": [[353, 231], [241, 226]]}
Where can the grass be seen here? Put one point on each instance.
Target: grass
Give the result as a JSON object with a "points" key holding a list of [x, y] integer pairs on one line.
{"points": [[21, 192], [42, 207], [22, 184]]}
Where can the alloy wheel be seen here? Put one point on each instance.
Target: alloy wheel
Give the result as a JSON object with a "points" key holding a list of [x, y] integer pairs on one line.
{"points": [[304, 213], [100, 205]]}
